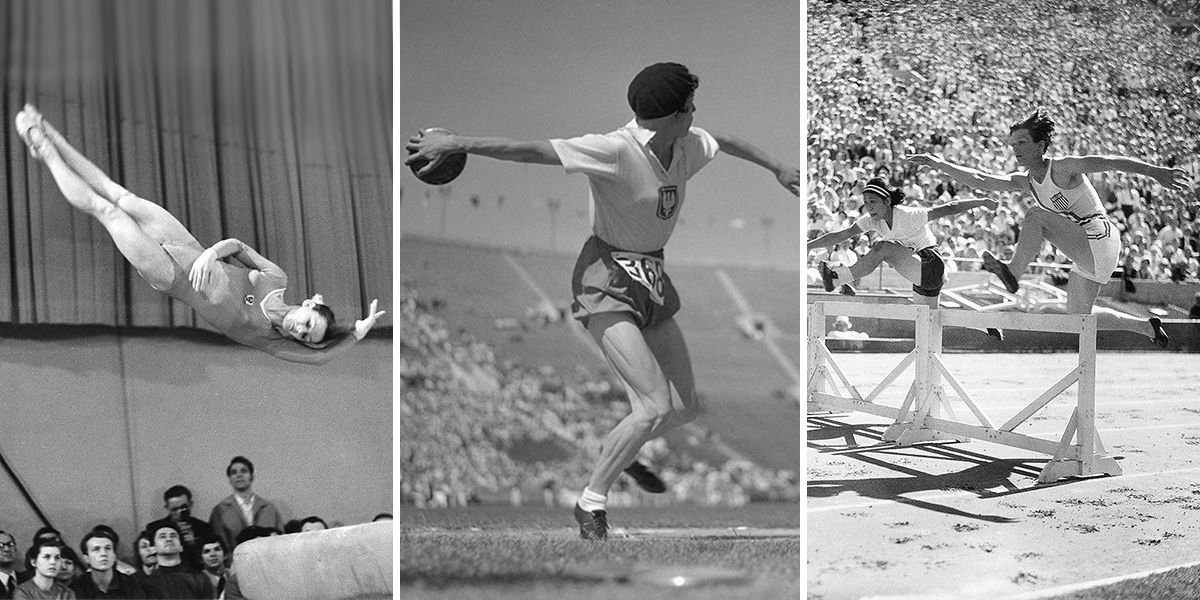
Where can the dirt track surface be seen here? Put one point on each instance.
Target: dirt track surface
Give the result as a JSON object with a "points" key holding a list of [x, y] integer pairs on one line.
{"points": [[968, 520]]}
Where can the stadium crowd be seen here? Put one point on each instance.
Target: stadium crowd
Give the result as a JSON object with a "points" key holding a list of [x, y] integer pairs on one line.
{"points": [[950, 77], [176, 556], [465, 414]]}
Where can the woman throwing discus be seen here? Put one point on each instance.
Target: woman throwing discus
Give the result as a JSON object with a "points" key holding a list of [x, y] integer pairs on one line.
{"points": [[230, 285], [905, 242], [637, 177], [1068, 213]]}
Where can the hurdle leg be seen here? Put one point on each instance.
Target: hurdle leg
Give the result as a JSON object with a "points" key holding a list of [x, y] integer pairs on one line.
{"points": [[925, 395], [818, 373]]}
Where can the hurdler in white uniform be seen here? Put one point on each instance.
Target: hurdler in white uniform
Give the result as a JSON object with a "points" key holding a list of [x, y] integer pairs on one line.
{"points": [[1082, 205]]}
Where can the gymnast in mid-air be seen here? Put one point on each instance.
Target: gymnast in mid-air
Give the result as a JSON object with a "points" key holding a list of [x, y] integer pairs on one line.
{"points": [[232, 287]]}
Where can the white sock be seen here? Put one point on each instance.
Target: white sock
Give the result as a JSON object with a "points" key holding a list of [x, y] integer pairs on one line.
{"points": [[843, 274], [591, 501]]}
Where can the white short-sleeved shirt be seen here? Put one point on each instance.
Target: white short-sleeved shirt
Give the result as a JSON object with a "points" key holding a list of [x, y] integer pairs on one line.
{"points": [[909, 227], [634, 203]]}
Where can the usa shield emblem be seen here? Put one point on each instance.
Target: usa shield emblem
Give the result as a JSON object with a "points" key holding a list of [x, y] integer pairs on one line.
{"points": [[668, 201], [1060, 202]]}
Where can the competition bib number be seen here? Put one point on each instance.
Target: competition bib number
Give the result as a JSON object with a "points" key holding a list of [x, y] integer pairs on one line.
{"points": [[646, 270]]}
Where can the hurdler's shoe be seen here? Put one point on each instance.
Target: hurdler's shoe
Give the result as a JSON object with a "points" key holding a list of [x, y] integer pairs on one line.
{"points": [[827, 275], [645, 479], [993, 265], [1160, 335], [593, 525]]}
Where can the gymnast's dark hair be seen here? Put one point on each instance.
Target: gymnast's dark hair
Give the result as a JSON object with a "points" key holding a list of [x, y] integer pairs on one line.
{"points": [[1039, 125], [333, 331], [878, 185]]}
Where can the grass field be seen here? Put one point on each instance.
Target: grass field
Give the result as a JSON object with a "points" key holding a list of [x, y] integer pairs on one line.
{"points": [[534, 552]]}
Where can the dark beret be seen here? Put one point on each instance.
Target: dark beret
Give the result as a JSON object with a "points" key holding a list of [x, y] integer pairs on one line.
{"points": [[660, 90]]}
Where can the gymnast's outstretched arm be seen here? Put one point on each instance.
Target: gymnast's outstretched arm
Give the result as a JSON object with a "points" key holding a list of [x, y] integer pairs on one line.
{"points": [[292, 351]]}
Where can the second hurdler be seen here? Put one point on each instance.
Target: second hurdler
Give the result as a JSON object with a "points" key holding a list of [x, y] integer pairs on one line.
{"points": [[637, 179]]}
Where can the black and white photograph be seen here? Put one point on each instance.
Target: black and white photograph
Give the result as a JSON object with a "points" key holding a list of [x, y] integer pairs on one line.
{"points": [[196, 281], [599, 349], [1001, 282]]}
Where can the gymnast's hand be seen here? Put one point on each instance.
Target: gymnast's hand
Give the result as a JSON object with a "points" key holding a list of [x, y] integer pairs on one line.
{"points": [[362, 326], [789, 177], [202, 270]]}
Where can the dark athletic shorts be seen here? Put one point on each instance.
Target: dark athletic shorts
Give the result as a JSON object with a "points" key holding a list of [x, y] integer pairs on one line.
{"points": [[608, 279], [933, 272]]}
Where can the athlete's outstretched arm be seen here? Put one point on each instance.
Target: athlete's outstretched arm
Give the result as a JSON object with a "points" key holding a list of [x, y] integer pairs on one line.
{"points": [[789, 177], [1172, 179], [960, 206], [973, 178], [237, 250], [834, 238], [436, 148], [293, 351]]}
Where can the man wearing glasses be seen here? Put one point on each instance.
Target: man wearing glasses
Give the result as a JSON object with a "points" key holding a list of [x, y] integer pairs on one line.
{"points": [[8, 562]]}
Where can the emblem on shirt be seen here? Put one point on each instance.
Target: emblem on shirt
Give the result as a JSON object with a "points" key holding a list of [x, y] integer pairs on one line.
{"points": [[249, 299], [668, 201], [1059, 201]]}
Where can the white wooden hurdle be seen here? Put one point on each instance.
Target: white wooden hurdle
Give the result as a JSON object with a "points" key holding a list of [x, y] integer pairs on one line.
{"points": [[1079, 452]]}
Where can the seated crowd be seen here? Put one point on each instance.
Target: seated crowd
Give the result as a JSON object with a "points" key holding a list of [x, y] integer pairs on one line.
{"points": [[464, 412], [177, 556], [884, 84]]}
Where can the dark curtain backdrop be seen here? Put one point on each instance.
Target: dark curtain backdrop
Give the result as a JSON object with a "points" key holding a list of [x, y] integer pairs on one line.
{"points": [[265, 120]]}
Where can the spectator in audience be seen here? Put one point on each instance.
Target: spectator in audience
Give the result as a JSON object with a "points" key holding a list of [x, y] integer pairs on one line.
{"points": [[243, 507], [45, 557], [45, 533], [382, 517], [173, 578], [147, 556], [313, 523], [212, 552], [69, 566], [102, 580], [292, 526], [120, 565], [843, 330], [178, 502], [8, 564]]}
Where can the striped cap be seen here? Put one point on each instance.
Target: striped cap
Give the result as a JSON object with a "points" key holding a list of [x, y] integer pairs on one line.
{"points": [[877, 186]]}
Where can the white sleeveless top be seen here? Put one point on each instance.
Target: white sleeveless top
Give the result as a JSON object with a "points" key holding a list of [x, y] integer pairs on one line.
{"points": [[1080, 203]]}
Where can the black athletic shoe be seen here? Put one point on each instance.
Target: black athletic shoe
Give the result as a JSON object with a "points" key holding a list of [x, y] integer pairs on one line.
{"points": [[996, 333], [645, 479], [847, 290], [993, 265], [827, 275], [592, 525], [1160, 335]]}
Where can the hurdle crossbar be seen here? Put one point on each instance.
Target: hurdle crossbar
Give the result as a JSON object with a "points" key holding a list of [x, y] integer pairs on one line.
{"points": [[1079, 452]]}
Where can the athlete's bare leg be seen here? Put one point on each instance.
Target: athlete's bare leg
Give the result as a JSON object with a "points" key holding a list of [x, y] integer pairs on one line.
{"points": [[1071, 240], [1039, 226], [879, 253], [155, 220], [656, 371], [140, 249]]}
